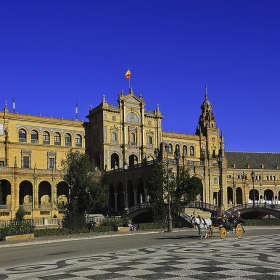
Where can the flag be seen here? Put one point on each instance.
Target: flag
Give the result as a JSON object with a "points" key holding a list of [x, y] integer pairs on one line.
{"points": [[127, 74]]}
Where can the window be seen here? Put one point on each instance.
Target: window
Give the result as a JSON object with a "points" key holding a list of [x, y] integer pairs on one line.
{"points": [[114, 136], [184, 150], [57, 139], [46, 137], [150, 140], [25, 162], [169, 148], [51, 163], [22, 135], [34, 136], [67, 139], [78, 140], [177, 148], [132, 138], [191, 150], [2, 163]]}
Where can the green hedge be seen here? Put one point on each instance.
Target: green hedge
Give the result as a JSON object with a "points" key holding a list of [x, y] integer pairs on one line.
{"points": [[264, 222]]}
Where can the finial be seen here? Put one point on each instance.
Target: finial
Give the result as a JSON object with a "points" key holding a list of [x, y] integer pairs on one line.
{"points": [[130, 90], [205, 93], [140, 95], [157, 108], [6, 104], [103, 98]]}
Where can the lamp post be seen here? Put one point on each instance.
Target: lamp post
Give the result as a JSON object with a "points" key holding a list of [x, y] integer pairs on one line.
{"points": [[244, 177], [220, 164], [125, 185], [253, 176], [177, 158]]}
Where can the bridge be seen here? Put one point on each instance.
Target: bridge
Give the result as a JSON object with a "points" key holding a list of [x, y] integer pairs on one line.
{"points": [[264, 208]]}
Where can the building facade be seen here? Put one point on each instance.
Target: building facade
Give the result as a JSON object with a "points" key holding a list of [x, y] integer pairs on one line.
{"points": [[31, 175], [121, 140]]}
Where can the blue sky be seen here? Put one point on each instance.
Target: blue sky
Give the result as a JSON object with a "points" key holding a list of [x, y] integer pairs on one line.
{"points": [[53, 51]]}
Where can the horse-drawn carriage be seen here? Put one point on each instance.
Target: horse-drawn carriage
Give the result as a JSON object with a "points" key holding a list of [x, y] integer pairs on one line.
{"points": [[221, 225]]}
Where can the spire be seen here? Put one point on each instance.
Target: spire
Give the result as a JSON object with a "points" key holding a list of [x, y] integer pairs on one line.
{"points": [[205, 93], [14, 103], [76, 107]]}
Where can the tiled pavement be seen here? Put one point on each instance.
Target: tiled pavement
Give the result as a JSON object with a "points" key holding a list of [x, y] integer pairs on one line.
{"points": [[244, 258]]}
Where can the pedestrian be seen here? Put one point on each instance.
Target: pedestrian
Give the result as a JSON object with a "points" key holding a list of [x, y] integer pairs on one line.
{"points": [[132, 226], [90, 226]]}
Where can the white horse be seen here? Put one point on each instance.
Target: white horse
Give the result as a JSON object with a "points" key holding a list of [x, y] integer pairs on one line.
{"points": [[202, 223]]}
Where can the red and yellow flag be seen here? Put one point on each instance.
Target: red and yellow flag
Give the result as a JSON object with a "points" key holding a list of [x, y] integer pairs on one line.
{"points": [[127, 74]]}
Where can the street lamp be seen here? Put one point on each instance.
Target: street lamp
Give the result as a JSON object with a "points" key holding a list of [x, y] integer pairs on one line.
{"points": [[177, 158], [253, 176], [125, 185], [220, 164], [244, 178]]}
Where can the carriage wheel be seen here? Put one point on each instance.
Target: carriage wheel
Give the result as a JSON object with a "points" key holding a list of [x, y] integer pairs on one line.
{"points": [[238, 230], [223, 232]]}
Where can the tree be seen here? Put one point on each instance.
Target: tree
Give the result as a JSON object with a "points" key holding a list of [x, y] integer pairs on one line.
{"points": [[186, 190], [182, 190], [87, 190]]}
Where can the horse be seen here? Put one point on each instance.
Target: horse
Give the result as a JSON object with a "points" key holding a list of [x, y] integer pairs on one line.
{"points": [[201, 223]]}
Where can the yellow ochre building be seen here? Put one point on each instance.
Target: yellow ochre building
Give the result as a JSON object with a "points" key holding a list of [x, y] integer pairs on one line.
{"points": [[121, 140]]}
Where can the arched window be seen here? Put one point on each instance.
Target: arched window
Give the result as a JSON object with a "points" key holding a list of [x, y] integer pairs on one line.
{"points": [[177, 148], [78, 140], [57, 139], [22, 135], [191, 150], [46, 138], [34, 136], [68, 141], [185, 150], [169, 148]]}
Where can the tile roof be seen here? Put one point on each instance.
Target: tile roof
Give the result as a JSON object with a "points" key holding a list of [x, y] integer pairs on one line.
{"points": [[252, 160]]}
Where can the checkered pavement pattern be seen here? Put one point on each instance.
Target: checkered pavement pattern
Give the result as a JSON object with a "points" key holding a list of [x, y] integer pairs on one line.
{"points": [[244, 258]]}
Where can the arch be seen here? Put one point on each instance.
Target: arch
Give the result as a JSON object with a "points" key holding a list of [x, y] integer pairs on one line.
{"points": [[251, 195], [57, 138], [185, 150], [22, 135], [26, 195], [115, 161], [140, 191], [191, 151], [68, 139], [230, 199], [133, 159], [5, 189], [34, 136], [268, 195], [62, 192], [46, 137], [78, 140], [239, 196], [177, 147], [45, 194]]}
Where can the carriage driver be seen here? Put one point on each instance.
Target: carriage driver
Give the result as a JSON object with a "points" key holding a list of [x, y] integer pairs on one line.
{"points": [[215, 216]]}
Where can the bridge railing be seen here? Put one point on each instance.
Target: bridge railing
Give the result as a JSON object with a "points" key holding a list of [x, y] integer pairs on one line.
{"points": [[137, 207]]}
